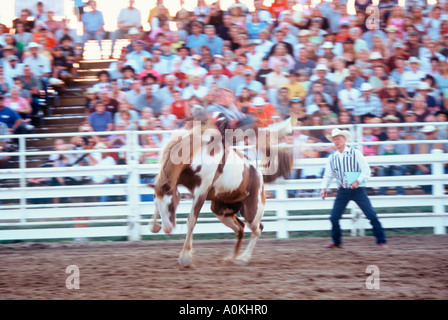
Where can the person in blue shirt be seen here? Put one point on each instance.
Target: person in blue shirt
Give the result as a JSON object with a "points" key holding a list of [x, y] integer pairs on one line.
{"points": [[93, 24], [196, 38], [101, 120], [211, 40], [255, 25], [11, 118]]}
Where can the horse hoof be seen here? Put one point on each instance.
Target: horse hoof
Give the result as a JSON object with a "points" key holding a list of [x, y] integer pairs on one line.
{"points": [[227, 260], [241, 262], [155, 228], [185, 261]]}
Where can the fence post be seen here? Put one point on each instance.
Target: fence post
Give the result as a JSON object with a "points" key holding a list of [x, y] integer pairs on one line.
{"points": [[282, 214], [22, 181], [133, 195], [438, 191]]}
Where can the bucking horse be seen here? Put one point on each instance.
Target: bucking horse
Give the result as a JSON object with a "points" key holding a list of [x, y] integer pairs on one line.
{"points": [[212, 169]]}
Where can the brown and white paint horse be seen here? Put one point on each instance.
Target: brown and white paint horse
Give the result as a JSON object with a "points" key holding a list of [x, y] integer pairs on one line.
{"points": [[216, 172]]}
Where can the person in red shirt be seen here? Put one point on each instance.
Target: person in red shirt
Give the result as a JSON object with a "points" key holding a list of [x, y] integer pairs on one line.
{"points": [[179, 107], [49, 42], [263, 111], [278, 6]]}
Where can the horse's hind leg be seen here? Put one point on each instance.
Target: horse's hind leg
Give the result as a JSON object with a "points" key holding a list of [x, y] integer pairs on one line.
{"points": [[252, 214], [229, 218]]}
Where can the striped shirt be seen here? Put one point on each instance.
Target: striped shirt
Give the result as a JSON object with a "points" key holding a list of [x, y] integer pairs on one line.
{"points": [[350, 160]]}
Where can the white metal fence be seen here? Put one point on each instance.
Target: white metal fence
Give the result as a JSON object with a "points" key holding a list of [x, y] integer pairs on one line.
{"points": [[129, 208]]}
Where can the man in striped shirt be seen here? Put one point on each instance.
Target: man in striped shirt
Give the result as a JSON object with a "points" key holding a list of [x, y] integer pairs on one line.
{"points": [[351, 171]]}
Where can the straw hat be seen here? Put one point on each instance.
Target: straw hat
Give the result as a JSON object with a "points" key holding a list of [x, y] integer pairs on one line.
{"points": [[428, 129]]}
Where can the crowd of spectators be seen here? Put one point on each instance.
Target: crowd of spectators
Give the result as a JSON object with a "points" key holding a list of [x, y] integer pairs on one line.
{"points": [[317, 63]]}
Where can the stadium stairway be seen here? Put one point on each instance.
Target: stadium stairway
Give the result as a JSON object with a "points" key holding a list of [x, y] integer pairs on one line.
{"points": [[65, 111]]}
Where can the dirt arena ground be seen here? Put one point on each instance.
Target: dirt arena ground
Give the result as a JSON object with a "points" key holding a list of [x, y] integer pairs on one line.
{"points": [[413, 267]]}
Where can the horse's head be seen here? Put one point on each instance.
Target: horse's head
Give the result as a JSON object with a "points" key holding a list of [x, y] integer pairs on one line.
{"points": [[166, 200]]}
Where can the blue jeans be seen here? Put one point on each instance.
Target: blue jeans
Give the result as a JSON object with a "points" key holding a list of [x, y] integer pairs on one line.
{"points": [[358, 195]]}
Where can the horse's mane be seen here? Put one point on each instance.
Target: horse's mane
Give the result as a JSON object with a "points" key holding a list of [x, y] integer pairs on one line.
{"points": [[168, 177]]}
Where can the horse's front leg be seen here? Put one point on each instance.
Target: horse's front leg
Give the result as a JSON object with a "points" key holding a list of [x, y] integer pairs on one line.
{"points": [[185, 256]]}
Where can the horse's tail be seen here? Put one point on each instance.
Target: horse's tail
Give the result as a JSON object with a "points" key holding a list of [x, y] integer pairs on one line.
{"points": [[279, 163]]}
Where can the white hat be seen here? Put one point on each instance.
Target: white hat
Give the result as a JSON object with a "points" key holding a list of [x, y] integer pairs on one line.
{"points": [[303, 33], [414, 60], [33, 45], [375, 56], [133, 31], [366, 87], [423, 86], [100, 145], [259, 101], [321, 67], [327, 45], [338, 132], [428, 128]]}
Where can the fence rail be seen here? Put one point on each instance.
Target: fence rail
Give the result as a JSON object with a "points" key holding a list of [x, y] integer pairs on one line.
{"points": [[130, 207]]}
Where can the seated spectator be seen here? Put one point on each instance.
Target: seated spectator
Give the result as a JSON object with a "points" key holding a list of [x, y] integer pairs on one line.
{"points": [[420, 107], [282, 102], [392, 91], [4, 145], [367, 136], [428, 132], [149, 143], [61, 67], [179, 107], [393, 149], [196, 37], [102, 159], [248, 82], [139, 55], [244, 100], [52, 24], [147, 99], [411, 79], [103, 81], [23, 23], [425, 90], [195, 88], [125, 82], [216, 77], [149, 70], [348, 96], [117, 140], [101, 120], [125, 106], [44, 37], [111, 104], [390, 109], [126, 121], [115, 93], [297, 110], [367, 103], [12, 68], [167, 119], [11, 118], [147, 119], [20, 105]]}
